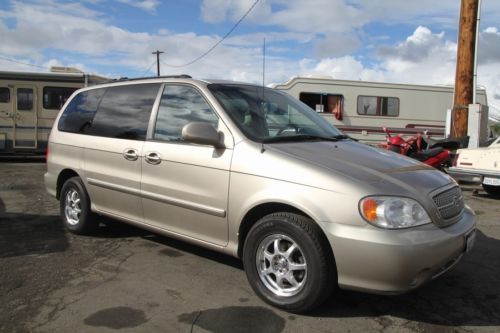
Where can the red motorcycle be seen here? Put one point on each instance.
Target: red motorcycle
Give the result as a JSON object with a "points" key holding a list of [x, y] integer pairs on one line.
{"points": [[437, 154]]}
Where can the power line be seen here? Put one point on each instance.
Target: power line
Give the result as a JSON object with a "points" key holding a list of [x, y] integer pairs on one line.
{"points": [[220, 41], [147, 70], [21, 63]]}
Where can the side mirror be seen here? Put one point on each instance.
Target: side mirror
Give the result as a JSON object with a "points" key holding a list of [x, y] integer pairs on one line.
{"points": [[202, 134]]}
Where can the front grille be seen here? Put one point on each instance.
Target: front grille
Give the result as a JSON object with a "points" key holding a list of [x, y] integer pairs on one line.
{"points": [[450, 203]]}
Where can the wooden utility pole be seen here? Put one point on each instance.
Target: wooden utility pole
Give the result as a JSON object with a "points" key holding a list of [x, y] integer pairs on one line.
{"points": [[157, 61], [465, 67]]}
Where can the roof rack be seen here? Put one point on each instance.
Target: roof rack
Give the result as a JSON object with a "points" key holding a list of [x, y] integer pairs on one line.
{"points": [[181, 76]]}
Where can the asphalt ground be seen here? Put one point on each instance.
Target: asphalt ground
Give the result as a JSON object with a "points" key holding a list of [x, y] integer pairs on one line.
{"points": [[123, 278]]}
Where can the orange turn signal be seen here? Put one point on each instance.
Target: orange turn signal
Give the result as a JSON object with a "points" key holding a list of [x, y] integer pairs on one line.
{"points": [[369, 209]]}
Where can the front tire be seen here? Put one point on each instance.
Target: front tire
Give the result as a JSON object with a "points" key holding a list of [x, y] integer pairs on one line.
{"points": [[288, 262], [75, 207]]}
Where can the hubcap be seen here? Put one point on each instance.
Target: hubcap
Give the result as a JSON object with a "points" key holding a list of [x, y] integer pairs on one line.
{"points": [[72, 208], [281, 265]]}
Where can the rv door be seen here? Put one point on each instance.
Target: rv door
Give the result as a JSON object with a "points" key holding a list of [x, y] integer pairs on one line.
{"points": [[25, 117]]}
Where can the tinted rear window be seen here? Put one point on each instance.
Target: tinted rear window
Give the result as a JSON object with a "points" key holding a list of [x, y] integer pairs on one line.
{"points": [[124, 111], [78, 115]]}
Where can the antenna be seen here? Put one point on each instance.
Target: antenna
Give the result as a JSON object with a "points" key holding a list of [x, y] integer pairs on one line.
{"points": [[263, 66], [263, 149]]}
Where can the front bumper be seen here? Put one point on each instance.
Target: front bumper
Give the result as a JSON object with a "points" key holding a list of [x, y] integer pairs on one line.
{"points": [[471, 175], [395, 261]]}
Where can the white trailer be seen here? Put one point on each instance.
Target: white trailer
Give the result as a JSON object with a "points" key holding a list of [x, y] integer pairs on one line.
{"points": [[361, 109], [29, 103]]}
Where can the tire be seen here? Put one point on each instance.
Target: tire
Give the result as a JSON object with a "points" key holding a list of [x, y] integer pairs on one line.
{"points": [[492, 190], [267, 259], [75, 208]]}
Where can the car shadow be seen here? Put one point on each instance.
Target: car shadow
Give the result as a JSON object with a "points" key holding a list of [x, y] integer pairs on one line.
{"points": [[478, 192], [196, 250], [26, 234], [467, 295], [110, 228]]}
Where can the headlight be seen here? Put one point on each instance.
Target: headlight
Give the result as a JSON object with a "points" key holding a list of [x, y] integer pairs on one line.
{"points": [[393, 212]]}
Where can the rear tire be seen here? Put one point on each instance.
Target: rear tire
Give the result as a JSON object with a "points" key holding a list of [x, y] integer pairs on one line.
{"points": [[75, 208], [288, 262], [492, 190]]}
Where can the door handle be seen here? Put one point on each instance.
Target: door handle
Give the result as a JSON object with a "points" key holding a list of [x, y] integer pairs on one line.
{"points": [[130, 154], [153, 158]]}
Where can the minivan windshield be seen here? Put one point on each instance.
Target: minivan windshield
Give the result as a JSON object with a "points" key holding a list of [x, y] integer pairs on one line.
{"points": [[268, 115]]}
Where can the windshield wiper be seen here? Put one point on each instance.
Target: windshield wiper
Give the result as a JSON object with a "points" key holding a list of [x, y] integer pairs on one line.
{"points": [[300, 137], [344, 137]]}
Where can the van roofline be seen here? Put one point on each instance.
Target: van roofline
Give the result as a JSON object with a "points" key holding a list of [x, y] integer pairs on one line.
{"points": [[126, 79], [326, 79]]}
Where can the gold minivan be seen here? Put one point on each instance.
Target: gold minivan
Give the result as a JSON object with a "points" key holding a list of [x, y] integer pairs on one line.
{"points": [[254, 173]]}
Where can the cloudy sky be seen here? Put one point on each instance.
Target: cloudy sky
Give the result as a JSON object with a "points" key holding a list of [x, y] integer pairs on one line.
{"points": [[376, 40]]}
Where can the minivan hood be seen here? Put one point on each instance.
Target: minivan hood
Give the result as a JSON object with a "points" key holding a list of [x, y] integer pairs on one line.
{"points": [[365, 165]]}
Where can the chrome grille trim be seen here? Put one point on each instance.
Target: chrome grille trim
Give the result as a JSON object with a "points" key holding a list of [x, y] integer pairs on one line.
{"points": [[450, 204]]}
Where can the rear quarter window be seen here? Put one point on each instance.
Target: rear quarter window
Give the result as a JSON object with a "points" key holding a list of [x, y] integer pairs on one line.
{"points": [[78, 115]]}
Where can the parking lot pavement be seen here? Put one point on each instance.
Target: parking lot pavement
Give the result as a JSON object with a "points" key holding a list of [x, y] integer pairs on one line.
{"points": [[125, 278]]}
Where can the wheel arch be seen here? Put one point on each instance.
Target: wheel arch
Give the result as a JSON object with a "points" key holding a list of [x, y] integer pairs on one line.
{"points": [[64, 175], [263, 209]]}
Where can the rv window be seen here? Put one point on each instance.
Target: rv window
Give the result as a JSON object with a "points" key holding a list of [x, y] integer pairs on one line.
{"points": [[25, 99], [55, 97], [378, 106], [327, 103], [4, 95], [124, 111], [78, 115]]}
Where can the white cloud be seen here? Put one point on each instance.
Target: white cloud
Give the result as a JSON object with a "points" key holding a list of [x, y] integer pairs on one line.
{"points": [[489, 46], [336, 45], [39, 27], [419, 47], [214, 11], [147, 5], [344, 67], [323, 16]]}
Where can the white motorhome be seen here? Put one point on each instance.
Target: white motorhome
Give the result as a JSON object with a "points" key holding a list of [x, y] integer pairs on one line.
{"points": [[361, 109], [29, 103]]}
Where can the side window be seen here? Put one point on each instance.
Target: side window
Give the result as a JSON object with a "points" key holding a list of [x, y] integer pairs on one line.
{"points": [[25, 99], [378, 106], [78, 115], [124, 111], [4, 95], [179, 106], [327, 103], [55, 97]]}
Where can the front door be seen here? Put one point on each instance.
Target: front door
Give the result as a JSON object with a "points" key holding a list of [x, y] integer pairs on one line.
{"points": [[24, 117], [185, 186]]}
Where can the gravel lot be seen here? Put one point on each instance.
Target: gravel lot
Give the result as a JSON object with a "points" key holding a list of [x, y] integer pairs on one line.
{"points": [[125, 278]]}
